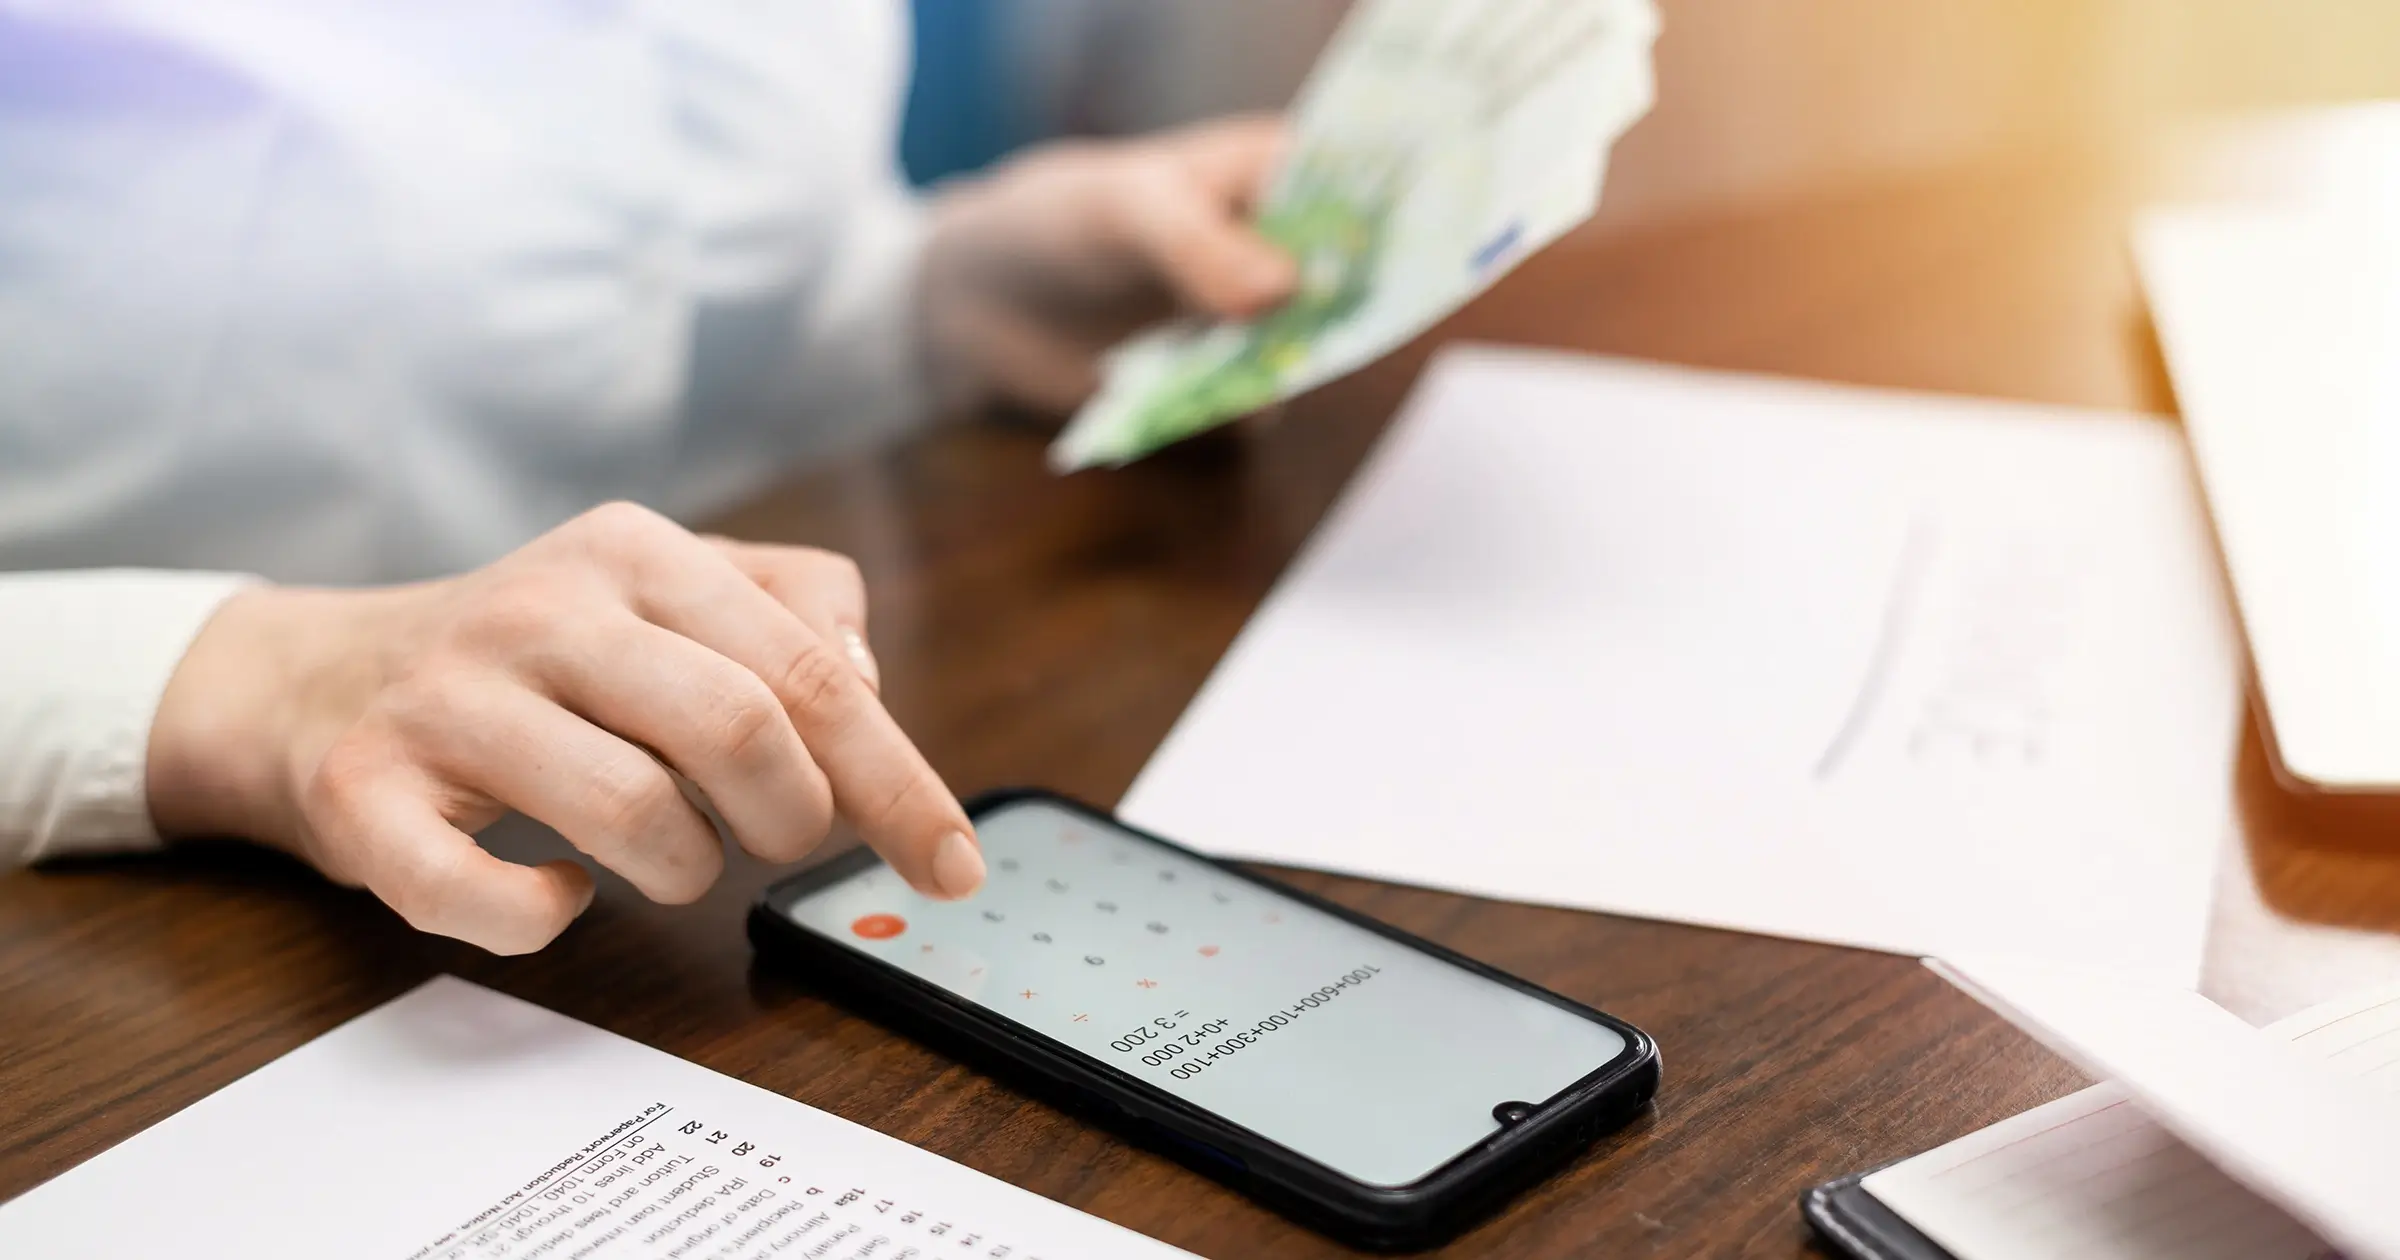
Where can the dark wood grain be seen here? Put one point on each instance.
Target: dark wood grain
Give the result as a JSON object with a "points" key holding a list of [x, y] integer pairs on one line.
{"points": [[1036, 630]]}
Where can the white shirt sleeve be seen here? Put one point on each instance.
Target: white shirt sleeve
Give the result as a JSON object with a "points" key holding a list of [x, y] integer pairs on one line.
{"points": [[84, 658]]}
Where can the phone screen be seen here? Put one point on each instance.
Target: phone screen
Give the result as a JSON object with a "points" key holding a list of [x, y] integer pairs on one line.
{"points": [[1376, 1060]]}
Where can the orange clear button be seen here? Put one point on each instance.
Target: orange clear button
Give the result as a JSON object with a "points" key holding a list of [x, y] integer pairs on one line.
{"points": [[879, 927]]}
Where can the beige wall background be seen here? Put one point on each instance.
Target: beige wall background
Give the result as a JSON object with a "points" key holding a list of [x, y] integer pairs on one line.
{"points": [[1839, 90], [1830, 90]]}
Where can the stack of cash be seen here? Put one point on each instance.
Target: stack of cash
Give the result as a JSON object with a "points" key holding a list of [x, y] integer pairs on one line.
{"points": [[1436, 144]]}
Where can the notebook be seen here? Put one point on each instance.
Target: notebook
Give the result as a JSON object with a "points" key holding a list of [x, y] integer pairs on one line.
{"points": [[2104, 1173], [2279, 315]]}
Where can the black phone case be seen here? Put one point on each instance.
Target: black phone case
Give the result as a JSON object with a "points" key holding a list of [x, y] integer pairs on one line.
{"points": [[1409, 1217], [1857, 1224]]}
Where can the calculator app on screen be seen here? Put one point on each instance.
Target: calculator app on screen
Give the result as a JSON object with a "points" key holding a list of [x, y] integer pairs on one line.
{"points": [[1347, 1047]]}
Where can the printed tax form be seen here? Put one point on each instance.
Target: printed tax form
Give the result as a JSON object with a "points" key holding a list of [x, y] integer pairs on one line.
{"points": [[457, 1123], [1918, 673]]}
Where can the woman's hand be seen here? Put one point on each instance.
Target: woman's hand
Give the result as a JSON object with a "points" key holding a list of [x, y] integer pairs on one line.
{"points": [[371, 732], [1036, 269]]}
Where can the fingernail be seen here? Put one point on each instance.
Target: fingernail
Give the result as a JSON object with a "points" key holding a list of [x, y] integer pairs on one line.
{"points": [[957, 866], [862, 657]]}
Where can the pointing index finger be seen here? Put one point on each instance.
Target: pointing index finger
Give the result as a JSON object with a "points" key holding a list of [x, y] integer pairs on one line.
{"points": [[879, 779]]}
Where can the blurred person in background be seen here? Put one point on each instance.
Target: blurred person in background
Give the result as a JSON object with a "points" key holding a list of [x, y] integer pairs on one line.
{"points": [[996, 75], [351, 291], [363, 290]]}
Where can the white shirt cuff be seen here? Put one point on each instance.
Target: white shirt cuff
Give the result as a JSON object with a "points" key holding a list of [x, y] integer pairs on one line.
{"points": [[868, 324], [84, 659]]}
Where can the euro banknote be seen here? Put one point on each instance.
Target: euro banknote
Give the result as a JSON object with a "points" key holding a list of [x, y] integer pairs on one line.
{"points": [[1437, 144]]}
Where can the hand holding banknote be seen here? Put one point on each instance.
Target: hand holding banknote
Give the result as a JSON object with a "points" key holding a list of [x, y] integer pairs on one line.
{"points": [[1032, 272], [1436, 145]]}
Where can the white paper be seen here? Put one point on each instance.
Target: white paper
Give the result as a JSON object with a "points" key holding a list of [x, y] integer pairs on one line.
{"points": [[1910, 672], [456, 1122], [2093, 1175], [2280, 320], [2315, 1140]]}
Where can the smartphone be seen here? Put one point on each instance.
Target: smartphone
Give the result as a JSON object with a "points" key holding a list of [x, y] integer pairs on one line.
{"points": [[1367, 1083]]}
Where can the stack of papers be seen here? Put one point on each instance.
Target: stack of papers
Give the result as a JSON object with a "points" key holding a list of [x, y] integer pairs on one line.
{"points": [[2213, 1140], [2278, 307], [1917, 673]]}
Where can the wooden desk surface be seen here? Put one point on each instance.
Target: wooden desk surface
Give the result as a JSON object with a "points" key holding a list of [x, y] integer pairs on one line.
{"points": [[1046, 631]]}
